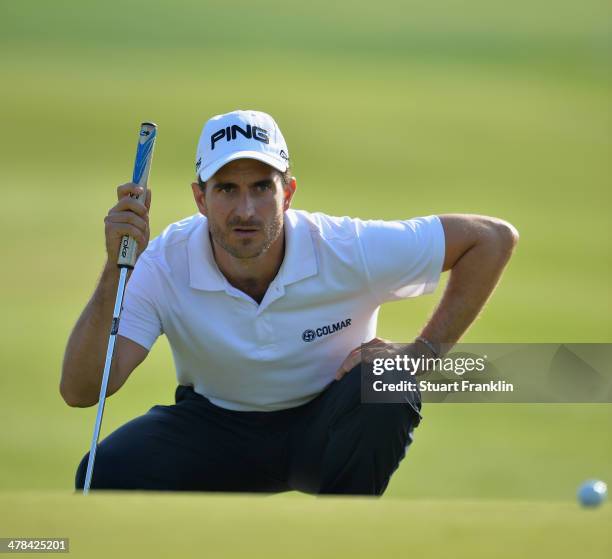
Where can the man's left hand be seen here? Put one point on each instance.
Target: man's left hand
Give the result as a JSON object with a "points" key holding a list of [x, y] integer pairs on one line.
{"points": [[381, 348]]}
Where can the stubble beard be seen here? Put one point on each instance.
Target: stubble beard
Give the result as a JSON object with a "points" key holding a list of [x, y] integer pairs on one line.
{"points": [[246, 248]]}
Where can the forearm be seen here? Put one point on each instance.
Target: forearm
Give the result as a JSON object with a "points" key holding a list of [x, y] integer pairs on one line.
{"points": [[86, 349], [472, 280]]}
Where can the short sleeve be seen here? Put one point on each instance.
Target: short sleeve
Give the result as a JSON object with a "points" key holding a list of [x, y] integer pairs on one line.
{"points": [[140, 320], [402, 258]]}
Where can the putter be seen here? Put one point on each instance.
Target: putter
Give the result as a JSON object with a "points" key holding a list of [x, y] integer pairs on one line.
{"points": [[125, 262]]}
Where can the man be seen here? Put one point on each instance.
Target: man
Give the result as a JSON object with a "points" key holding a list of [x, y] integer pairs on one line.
{"points": [[265, 309]]}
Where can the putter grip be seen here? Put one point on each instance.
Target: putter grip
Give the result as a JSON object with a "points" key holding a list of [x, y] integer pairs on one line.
{"points": [[142, 166]]}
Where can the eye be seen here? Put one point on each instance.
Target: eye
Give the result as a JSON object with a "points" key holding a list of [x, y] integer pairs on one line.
{"points": [[227, 188], [262, 187]]}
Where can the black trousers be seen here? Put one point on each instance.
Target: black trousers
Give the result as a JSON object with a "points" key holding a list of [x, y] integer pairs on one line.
{"points": [[334, 444]]}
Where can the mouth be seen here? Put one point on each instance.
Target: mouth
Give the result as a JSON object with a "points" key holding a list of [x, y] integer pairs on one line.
{"points": [[245, 231]]}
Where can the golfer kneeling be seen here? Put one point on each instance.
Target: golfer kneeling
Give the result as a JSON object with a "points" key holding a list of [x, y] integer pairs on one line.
{"points": [[266, 309]]}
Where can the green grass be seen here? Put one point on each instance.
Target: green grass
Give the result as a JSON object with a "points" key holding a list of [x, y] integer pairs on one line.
{"points": [[390, 110], [157, 525]]}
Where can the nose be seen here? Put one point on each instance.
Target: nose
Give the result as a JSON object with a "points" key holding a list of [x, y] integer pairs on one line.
{"points": [[245, 209]]}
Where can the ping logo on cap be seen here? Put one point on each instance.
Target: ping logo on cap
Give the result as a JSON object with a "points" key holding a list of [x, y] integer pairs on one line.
{"points": [[230, 133]]}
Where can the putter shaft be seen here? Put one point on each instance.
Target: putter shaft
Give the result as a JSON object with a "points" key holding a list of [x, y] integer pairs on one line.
{"points": [[105, 376]]}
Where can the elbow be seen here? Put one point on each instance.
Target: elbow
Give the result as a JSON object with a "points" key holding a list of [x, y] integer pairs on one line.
{"points": [[76, 403], [72, 399], [505, 235], [69, 398]]}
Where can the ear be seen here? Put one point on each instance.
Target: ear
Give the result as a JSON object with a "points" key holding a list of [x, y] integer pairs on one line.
{"points": [[199, 197], [288, 192]]}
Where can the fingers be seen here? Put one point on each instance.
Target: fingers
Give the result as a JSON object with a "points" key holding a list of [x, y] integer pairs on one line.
{"points": [[374, 342], [130, 217], [127, 217], [128, 189], [117, 230], [353, 359], [130, 212], [130, 203]]}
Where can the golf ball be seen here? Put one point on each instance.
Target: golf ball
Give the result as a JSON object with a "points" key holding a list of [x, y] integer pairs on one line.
{"points": [[592, 493]]}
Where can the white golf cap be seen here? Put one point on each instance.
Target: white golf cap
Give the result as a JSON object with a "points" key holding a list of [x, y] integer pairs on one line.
{"points": [[240, 135]]}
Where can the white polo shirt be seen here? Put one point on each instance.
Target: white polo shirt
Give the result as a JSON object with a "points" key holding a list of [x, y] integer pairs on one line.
{"points": [[322, 304]]}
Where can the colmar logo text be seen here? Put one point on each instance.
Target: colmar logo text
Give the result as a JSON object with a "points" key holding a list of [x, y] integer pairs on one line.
{"points": [[312, 335]]}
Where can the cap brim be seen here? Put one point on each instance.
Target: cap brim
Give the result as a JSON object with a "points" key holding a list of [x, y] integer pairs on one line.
{"points": [[210, 170]]}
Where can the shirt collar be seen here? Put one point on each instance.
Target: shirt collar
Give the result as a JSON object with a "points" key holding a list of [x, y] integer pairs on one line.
{"points": [[299, 262], [203, 270]]}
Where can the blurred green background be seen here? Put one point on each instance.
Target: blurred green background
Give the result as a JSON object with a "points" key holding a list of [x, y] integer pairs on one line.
{"points": [[391, 110]]}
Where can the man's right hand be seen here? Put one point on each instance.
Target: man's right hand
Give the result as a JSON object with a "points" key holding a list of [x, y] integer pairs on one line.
{"points": [[128, 217]]}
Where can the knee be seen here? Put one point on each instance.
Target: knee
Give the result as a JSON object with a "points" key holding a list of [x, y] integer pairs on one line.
{"points": [[350, 385], [79, 481], [104, 474], [379, 415], [387, 417]]}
